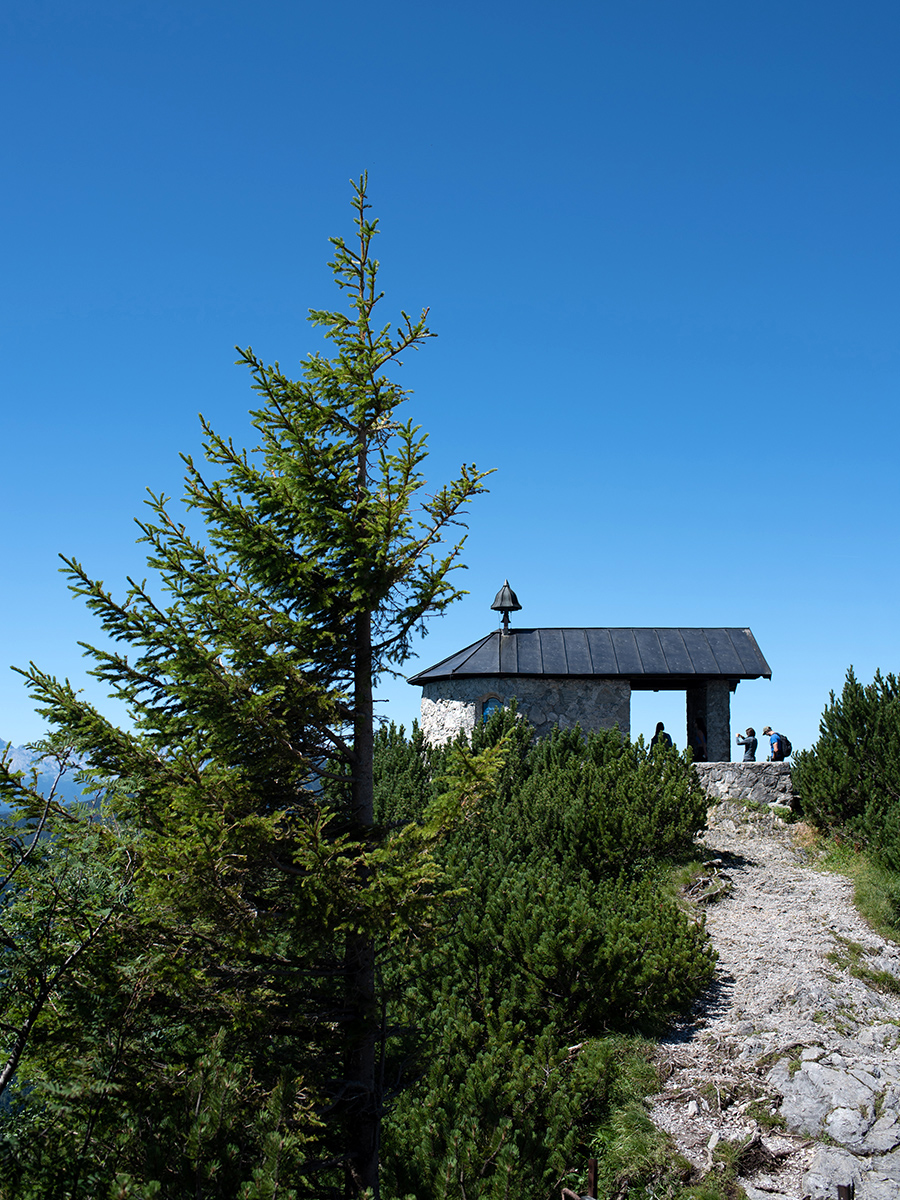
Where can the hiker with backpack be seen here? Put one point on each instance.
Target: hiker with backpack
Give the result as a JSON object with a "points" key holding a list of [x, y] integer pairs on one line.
{"points": [[781, 746]]}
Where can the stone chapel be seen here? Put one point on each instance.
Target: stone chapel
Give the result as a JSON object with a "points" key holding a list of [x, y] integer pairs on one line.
{"points": [[574, 676]]}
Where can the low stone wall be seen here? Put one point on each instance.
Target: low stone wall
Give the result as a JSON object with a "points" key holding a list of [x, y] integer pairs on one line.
{"points": [[761, 782]]}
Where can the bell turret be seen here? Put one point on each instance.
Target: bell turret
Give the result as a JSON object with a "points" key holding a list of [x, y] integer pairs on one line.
{"points": [[506, 601]]}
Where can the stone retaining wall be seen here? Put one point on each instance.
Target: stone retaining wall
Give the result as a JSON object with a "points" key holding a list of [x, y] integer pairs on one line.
{"points": [[761, 782]]}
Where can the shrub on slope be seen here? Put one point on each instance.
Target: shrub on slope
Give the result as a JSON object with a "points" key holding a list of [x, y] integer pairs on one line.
{"points": [[850, 780], [562, 934]]}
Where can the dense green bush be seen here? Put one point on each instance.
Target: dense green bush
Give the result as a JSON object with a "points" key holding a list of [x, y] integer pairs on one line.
{"points": [[134, 1078], [509, 1050], [850, 780], [562, 935]]}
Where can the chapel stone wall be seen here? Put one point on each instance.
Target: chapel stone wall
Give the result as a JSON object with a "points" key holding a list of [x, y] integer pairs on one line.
{"points": [[452, 705]]}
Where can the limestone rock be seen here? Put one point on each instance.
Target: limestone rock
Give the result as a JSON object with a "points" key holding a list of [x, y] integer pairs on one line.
{"points": [[831, 1166], [821, 1099], [787, 1031]]}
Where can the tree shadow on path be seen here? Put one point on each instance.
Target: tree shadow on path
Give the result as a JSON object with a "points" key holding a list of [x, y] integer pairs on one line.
{"points": [[716, 999]]}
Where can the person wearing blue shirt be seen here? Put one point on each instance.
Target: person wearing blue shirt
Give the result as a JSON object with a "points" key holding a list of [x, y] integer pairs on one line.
{"points": [[777, 743]]}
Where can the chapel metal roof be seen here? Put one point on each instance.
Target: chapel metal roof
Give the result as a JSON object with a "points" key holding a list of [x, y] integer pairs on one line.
{"points": [[649, 658]]}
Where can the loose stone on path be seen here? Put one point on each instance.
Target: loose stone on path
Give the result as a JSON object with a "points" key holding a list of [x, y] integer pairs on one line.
{"points": [[788, 1052]]}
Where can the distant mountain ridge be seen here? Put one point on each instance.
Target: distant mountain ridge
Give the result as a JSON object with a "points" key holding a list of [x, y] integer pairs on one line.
{"points": [[24, 760]]}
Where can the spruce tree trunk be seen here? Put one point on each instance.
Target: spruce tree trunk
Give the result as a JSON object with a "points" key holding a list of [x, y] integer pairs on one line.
{"points": [[363, 733], [365, 1104]]}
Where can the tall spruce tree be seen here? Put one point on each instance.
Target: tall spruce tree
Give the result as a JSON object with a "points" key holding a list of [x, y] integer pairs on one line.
{"points": [[246, 772]]}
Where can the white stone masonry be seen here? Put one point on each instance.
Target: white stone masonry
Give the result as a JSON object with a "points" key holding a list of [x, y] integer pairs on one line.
{"points": [[759, 782], [451, 705]]}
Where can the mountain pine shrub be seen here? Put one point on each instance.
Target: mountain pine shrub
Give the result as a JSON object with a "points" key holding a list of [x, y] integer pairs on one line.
{"points": [[850, 780], [561, 936]]}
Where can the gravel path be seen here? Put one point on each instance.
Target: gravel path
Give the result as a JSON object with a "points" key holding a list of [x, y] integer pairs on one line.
{"points": [[789, 1053]]}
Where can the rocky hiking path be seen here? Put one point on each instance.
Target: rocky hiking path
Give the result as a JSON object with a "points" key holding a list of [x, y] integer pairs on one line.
{"points": [[789, 1052]]}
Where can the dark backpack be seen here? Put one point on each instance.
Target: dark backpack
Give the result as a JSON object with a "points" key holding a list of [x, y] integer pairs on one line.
{"points": [[786, 748]]}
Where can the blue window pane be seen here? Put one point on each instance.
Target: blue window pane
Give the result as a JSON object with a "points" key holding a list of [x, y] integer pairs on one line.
{"points": [[490, 706]]}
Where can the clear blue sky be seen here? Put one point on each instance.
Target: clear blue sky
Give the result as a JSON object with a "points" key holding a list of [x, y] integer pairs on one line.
{"points": [[660, 246]]}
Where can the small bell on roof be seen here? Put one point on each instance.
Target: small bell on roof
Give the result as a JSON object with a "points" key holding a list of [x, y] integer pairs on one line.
{"points": [[506, 601]]}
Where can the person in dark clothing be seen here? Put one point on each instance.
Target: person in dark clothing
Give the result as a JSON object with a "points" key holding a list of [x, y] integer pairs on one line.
{"points": [[698, 740], [660, 736], [749, 743]]}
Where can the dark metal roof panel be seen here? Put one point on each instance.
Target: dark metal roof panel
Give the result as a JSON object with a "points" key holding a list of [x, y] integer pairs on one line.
{"points": [[553, 652], [627, 655], [642, 655], [484, 658], [727, 659], [749, 652], [678, 660], [578, 657], [529, 644], [603, 656], [509, 658], [653, 660], [701, 655], [460, 663]]}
